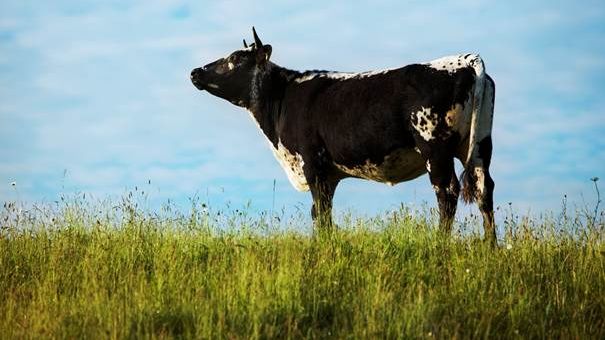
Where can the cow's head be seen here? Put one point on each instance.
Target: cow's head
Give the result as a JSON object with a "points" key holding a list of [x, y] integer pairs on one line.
{"points": [[233, 77]]}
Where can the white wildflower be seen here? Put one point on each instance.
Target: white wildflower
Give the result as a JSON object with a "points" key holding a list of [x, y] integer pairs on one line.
{"points": [[509, 246], [468, 270]]}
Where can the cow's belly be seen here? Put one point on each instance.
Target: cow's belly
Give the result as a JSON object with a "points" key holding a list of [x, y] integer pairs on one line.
{"points": [[399, 166]]}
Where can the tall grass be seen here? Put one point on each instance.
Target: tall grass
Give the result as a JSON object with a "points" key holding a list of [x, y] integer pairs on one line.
{"points": [[83, 269]]}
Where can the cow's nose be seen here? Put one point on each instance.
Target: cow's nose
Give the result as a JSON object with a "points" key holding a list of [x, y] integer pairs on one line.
{"points": [[196, 72], [197, 77]]}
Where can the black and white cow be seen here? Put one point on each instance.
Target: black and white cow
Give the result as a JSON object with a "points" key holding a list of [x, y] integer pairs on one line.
{"points": [[388, 126]]}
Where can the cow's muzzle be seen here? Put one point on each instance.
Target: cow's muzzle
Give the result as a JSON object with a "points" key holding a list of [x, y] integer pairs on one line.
{"points": [[196, 78]]}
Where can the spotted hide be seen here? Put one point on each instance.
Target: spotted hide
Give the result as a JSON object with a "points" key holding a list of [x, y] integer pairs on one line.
{"points": [[388, 126]]}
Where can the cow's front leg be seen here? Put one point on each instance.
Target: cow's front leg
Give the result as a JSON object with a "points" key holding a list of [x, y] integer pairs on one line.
{"points": [[322, 191], [447, 188]]}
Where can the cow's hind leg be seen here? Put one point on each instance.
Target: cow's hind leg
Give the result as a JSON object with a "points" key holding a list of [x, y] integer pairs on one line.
{"points": [[485, 193], [446, 185], [477, 184], [479, 187]]}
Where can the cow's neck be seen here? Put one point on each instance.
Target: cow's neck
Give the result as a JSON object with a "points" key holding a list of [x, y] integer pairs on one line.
{"points": [[267, 98]]}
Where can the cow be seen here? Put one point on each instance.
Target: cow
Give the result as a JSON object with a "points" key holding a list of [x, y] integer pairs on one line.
{"points": [[388, 126]]}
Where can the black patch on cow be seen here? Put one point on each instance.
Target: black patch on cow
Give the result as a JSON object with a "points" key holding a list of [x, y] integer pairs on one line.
{"points": [[485, 151]]}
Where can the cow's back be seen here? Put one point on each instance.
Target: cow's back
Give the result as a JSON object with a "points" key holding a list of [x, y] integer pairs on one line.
{"points": [[362, 118]]}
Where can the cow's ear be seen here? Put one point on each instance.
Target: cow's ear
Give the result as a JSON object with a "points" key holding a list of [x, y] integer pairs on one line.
{"points": [[263, 54]]}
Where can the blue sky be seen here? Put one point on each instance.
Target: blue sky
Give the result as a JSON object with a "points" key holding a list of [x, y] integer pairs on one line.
{"points": [[95, 95]]}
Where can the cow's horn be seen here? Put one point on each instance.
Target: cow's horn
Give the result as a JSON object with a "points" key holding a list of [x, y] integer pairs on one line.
{"points": [[257, 42], [245, 45]]}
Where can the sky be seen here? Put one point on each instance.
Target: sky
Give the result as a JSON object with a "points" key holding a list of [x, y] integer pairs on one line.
{"points": [[95, 96]]}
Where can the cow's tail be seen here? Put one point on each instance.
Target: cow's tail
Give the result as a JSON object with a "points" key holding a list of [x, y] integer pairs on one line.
{"points": [[469, 183]]}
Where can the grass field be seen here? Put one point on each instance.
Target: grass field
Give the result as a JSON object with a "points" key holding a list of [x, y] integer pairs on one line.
{"points": [[82, 269]]}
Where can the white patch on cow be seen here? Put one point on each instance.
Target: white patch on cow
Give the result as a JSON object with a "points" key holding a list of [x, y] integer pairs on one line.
{"points": [[292, 163], [214, 86], [458, 117], [454, 115], [425, 122], [399, 166], [230, 66], [453, 62], [339, 75], [305, 78], [480, 177], [451, 189], [247, 49], [368, 170], [428, 165]]}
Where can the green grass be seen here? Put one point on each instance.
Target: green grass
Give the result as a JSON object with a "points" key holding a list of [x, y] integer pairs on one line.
{"points": [[115, 270]]}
